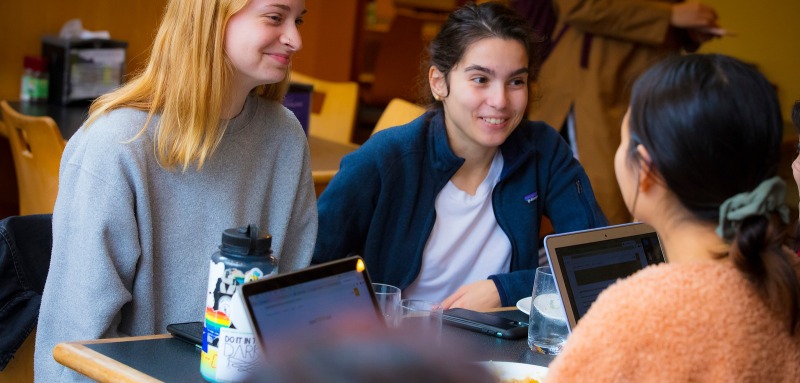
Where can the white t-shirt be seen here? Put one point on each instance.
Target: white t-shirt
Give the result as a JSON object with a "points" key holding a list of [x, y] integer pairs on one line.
{"points": [[466, 243]]}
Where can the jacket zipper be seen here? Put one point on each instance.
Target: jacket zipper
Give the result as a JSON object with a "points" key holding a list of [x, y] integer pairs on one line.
{"points": [[502, 223], [585, 203]]}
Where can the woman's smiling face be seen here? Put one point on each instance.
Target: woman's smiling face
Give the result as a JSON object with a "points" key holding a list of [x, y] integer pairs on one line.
{"points": [[488, 94], [260, 40]]}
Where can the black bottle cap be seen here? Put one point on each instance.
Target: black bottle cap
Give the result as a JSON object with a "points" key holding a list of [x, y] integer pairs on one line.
{"points": [[245, 240]]}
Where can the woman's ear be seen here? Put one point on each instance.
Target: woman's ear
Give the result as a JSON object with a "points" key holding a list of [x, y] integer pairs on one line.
{"points": [[648, 177], [437, 83]]}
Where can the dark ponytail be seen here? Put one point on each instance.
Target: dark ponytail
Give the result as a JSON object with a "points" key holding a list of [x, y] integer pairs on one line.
{"points": [[759, 252], [713, 128]]}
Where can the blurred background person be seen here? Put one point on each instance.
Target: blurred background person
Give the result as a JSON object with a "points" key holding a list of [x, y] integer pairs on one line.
{"points": [[599, 47], [542, 17]]}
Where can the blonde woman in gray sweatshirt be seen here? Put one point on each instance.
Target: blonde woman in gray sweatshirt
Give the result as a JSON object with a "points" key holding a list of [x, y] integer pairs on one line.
{"points": [[196, 143]]}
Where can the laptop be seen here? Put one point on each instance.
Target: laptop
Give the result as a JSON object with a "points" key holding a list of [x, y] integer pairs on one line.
{"points": [[310, 303], [585, 262]]}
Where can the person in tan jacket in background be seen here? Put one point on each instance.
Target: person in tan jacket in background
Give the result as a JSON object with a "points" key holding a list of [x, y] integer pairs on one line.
{"points": [[599, 48]]}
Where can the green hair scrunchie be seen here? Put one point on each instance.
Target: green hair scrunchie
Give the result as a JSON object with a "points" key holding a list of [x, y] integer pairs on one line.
{"points": [[768, 197]]}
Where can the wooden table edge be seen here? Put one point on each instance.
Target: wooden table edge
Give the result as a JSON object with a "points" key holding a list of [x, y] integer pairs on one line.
{"points": [[76, 356]]}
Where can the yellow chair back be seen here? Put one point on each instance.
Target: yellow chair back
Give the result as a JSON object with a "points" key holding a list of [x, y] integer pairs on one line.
{"points": [[398, 112], [36, 146], [333, 108]]}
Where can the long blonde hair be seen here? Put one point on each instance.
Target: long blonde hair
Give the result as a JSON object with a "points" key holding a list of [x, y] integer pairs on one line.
{"points": [[186, 80]]}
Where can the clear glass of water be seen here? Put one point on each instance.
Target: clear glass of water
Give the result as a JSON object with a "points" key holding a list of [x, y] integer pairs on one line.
{"points": [[547, 329], [421, 319], [388, 297]]}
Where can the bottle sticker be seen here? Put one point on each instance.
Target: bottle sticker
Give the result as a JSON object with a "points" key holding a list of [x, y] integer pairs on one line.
{"points": [[237, 355], [229, 350]]}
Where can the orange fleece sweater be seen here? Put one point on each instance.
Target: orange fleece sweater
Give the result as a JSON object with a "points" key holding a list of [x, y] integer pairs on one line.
{"points": [[699, 322]]}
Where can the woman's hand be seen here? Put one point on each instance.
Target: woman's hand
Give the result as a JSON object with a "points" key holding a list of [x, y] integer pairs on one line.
{"points": [[691, 15], [478, 296]]}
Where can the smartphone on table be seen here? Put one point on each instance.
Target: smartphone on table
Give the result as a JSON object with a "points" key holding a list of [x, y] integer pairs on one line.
{"points": [[191, 332], [485, 323]]}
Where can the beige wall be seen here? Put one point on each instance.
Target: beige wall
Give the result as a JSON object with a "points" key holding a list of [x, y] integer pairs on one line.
{"points": [[768, 35], [328, 42]]}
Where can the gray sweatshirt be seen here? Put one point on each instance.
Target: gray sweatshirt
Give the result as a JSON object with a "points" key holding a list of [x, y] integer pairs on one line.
{"points": [[132, 240]]}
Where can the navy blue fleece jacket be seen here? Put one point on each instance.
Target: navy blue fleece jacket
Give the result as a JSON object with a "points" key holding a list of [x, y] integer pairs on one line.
{"points": [[381, 203]]}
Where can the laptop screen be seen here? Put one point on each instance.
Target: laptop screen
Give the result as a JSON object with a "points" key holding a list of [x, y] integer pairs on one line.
{"points": [[585, 263], [311, 302], [592, 267]]}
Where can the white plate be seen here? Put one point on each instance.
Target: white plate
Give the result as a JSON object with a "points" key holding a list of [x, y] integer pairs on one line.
{"points": [[509, 370], [524, 305]]}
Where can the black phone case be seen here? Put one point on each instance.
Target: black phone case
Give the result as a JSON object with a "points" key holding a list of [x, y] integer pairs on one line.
{"points": [[474, 320], [191, 332]]}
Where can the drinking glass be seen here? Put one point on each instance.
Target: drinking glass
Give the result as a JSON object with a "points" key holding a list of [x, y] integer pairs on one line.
{"points": [[388, 297], [422, 319], [547, 329]]}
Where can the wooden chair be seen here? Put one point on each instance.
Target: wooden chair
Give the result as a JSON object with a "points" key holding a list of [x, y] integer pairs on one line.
{"points": [[398, 112], [36, 146], [333, 108]]}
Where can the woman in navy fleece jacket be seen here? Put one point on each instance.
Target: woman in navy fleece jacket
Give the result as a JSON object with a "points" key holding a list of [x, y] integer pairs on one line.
{"points": [[448, 207]]}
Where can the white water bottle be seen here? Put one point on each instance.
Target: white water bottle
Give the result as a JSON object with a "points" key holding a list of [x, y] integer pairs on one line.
{"points": [[230, 351]]}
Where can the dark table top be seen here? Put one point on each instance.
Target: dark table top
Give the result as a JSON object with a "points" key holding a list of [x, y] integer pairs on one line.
{"points": [[173, 360]]}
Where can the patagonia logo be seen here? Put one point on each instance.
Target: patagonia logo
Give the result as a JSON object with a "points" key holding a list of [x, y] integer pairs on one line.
{"points": [[531, 197]]}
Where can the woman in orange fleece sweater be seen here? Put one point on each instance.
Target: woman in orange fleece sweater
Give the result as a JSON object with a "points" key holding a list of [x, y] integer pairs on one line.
{"points": [[698, 161]]}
